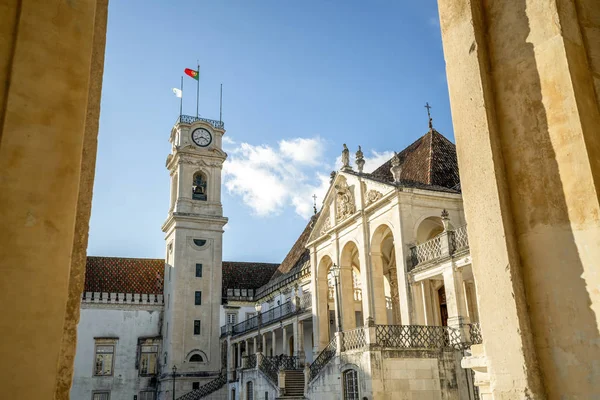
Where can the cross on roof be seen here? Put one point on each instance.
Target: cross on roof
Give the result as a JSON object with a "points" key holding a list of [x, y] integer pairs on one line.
{"points": [[428, 107], [314, 196]]}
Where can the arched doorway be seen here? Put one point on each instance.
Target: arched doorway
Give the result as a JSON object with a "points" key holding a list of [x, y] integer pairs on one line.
{"points": [[385, 277], [349, 269]]}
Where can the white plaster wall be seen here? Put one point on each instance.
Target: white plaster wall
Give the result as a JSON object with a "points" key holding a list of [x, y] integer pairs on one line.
{"points": [[125, 324]]}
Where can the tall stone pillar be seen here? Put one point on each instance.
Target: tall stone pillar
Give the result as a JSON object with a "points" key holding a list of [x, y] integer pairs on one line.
{"points": [[49, 126], [378, 289], [273, 342], [346, 298], [524, 85], [284, 345], [264, 343], [455, 301]]}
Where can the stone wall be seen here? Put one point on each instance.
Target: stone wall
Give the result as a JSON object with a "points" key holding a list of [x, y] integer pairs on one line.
{"points": [[127, 324]]}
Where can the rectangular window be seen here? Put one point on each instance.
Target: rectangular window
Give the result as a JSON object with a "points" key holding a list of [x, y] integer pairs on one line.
{"points": [[198, 298], [148, 357], [196, 327], [103, 362], [195, 385], [250, 315], [147, 395], [101, 396], [231, 318], [198, 270]]}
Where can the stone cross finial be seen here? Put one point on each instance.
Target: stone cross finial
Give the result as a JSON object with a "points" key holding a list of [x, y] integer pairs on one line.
{"points": [[346, 159], [360, 160], [396, 169]]}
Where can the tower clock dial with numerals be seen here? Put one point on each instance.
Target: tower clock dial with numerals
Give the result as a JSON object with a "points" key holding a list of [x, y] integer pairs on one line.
{"points": [[201, 137]]}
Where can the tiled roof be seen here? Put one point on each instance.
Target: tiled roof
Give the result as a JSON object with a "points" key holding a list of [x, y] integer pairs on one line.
{"points": [[429, 162], [124, 275], [246, 275]]}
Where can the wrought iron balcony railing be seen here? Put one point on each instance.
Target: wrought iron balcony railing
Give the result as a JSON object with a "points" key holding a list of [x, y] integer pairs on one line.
{"points": [[188, 119], [206, 389], [323, 358]]}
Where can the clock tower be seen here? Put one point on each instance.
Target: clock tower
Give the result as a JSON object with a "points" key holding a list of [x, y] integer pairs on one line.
{"points": [[194, 236]]}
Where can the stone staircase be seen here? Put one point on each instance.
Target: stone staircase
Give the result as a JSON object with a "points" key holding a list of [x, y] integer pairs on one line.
{"points": [[294, 385]]}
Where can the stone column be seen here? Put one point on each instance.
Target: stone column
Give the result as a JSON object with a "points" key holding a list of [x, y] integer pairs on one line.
{"points": [[346, 298], [524, 87], [254, 348], [378, 289], [273, 342], [299, 335], [48, 126], [455, 301], [284, 346], [264, 343], [239, 354], [426, 301], [393, 278]]}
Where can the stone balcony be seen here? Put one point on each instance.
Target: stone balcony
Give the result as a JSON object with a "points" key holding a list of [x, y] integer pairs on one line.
{"points": [[441, 247]]}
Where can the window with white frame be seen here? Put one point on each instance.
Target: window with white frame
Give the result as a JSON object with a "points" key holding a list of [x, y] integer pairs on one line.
{"points": [[104, 360], [101, 396], [231, 318]]}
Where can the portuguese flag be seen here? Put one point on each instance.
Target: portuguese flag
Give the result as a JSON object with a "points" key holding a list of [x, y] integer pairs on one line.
{"points": [[191, 73]]}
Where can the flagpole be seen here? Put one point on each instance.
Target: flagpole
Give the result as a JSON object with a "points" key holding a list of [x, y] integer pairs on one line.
{"points": [[221, 105], [198, 91], [181, 99]]}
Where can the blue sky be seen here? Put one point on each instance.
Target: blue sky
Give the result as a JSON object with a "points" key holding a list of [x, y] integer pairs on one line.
{"points": [[299, 79]]}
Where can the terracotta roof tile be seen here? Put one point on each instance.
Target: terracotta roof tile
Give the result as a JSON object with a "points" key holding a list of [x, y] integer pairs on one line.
{"points": [[428, 162], [246, 275], [124, 275]]}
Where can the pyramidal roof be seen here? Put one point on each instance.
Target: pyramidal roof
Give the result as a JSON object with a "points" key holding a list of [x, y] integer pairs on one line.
{"points": [[429, 161]]}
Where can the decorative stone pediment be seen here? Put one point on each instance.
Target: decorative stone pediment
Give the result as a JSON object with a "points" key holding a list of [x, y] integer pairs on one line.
{"points": [[344, 201]]}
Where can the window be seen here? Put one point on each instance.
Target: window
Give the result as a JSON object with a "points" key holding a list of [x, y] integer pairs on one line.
{"points": [[266, 395], [232, 394], [196, 327], [250, 315], [195, 385], [350, 385], [101, 396], [249, 390], [147, 395], [196, 358], [231, 318], [148, 356], [105, 350], [198, 270], [198, 298]]}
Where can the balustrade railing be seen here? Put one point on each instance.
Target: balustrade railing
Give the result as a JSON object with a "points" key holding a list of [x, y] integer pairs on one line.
{"points": [[323, 359], [249, 362], [188, 119], [354, 339], [285, 362], [416, 337], [270, 316], [206, 389], [475, 333], [437, 247]]}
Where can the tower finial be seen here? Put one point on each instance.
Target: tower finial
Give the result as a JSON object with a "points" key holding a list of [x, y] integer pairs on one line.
{"points": [[428, 107], [314, 196]]}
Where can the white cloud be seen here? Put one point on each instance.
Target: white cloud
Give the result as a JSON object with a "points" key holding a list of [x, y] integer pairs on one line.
{"points": [[269, 180], [228, 140]]}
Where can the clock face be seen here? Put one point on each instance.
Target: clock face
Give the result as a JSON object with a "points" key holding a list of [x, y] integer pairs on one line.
{"points": [[201, 137]]}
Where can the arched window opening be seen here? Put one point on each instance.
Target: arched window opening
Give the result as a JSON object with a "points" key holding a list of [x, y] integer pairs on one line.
{"points": [[199, 187], [196, 358], [249, 391], [350, 385]]}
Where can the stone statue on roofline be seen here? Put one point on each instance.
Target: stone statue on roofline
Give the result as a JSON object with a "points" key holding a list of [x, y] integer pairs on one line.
{"points": [[346, 159], [360, 160], [396, 169]]}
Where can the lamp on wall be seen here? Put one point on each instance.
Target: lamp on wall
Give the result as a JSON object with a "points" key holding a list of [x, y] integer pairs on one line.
{"points": [[258, 307], [335, 272]]}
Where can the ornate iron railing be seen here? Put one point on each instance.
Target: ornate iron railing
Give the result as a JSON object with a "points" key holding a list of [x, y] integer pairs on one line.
{"points": [[475, 333], [354, 339], [460, 238], [285, 362], [430, 250], [417, 337], [188, 119], [206, 389], [249, 362], [323, 359], [269, 368]]}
